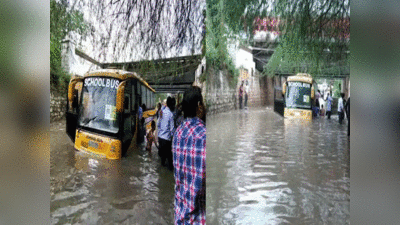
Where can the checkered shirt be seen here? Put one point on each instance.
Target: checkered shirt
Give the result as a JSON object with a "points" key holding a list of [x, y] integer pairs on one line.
{"points": [[189, 156]]}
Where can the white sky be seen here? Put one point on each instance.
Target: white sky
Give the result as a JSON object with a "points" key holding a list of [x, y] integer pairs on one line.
{"points": [[91, 45]]}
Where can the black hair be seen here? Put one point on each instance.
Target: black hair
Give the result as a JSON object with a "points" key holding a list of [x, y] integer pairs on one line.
{"points": [[173, 104], [191, 99], [153, 125], [170, 103]]}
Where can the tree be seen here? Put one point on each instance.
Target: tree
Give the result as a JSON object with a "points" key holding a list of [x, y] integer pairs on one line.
{"points": [[315, 36], [217, 38], [63, 20], [309, 29], [132, 30]]}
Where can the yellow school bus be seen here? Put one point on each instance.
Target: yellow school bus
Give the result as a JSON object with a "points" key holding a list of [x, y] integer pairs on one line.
{"points": [[299, 92], [102, 110]]}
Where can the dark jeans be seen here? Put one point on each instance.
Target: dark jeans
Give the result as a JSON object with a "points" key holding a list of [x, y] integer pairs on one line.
{"points": [[328, 113], [165, 152], [245, 100], [240, 102], [341, 117]]}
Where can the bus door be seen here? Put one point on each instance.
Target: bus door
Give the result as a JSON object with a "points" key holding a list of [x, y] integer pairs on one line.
{"points": [[134, 108], [74, 90], [126, 115]]}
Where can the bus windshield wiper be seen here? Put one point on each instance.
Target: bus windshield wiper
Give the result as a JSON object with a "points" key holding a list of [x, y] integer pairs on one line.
{"points": [[86, 122]]}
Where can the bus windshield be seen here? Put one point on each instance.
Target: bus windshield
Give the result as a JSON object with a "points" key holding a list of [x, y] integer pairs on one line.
{"points": [[298, 95], [98, 109]]}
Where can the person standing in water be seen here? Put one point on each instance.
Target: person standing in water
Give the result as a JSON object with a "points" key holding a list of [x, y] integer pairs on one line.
{"points": [[246, 94], [241, 96], [329, 106], [189, 156]]}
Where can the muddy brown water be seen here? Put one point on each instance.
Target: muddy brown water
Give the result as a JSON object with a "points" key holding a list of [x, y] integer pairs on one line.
{"points": [[263, 169], [87, 189]]}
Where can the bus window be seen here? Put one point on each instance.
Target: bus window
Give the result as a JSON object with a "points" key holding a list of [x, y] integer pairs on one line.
{"points": [[126, 104], [298, 95], [133, 96], [152, 100], [148, 99], [98, 109]]}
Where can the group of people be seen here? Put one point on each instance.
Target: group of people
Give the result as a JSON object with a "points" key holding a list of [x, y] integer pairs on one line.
{"points": [[343, 107], [182, 148]]}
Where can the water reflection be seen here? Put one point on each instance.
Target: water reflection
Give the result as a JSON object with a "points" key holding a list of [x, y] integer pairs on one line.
{"points": [[263, 169], [90, 189]]}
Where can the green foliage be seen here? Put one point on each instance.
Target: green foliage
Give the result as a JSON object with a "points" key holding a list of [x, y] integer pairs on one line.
{"points": [[217, 38], [337, 88], [62, 21], [306, 31]]}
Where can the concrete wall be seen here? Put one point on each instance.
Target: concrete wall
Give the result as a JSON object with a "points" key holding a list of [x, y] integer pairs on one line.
{"points": [[267, 90], [57, 106], [219, 95], [256, 92]]}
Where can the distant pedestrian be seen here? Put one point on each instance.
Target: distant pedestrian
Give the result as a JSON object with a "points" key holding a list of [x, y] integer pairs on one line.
{"points": [[140, 113], [151, 136], [201, 109], [241, 96], [329, 106], [246, 94], [317, 103], [140, 116], [341, 108], [347, 107], [165, 133], [143, 124], [179, 115], [322, 111], [189, 154], [158, 110]]}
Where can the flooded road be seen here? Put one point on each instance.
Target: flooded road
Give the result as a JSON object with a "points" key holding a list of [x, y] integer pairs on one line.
{"points": [[263, 169], [86, 189]]}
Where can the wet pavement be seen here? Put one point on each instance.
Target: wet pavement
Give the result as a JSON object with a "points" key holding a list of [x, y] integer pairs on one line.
{"points": [[263, 169], [87, 189]]}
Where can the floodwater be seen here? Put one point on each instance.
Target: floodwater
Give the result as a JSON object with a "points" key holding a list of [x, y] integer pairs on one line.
{"points": [[87, 189], [263, 169]]}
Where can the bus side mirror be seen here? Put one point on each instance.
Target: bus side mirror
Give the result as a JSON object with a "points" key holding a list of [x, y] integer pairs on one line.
{"points": [[284, 89], [120, 97], [312, 92], [73, 100]]}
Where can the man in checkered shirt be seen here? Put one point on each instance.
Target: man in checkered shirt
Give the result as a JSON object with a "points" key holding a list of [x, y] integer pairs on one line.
{"points": [[189, 157]]}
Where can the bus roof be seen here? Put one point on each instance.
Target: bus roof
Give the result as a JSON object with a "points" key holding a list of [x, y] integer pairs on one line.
{"points": [[302, 77], [119, 74]]}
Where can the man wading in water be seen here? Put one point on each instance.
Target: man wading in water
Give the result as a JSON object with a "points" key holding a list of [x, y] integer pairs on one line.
{"points": [[189, 156]]}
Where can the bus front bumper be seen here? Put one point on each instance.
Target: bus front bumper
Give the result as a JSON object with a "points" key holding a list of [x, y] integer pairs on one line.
{"points": [[98, 144], [305, 114]]}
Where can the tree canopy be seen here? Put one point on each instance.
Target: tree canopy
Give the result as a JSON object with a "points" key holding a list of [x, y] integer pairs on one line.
{"points": [[134, 30], [63, 20], [313, 34]]}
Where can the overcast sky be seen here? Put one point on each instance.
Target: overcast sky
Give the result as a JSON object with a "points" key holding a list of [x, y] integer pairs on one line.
{"points": [[119, 47]]}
